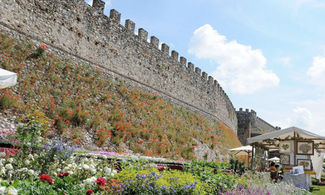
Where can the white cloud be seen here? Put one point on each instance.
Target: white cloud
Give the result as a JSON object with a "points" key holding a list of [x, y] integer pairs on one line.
{"points": [[307, 114], [285, 61], [317, 71], [241, 68], [302, 117], [299, 117]]}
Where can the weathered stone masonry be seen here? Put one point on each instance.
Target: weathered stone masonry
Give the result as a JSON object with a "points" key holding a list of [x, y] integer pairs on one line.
{"points": [[85, 33], [250, 125]]}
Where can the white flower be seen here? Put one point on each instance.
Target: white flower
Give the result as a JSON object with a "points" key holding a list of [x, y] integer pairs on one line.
{"points": [[10, 174], [31, 172], [113, 173], [2, 190], [27, 162], [22, 169], [108, 170], [58, 170], [30, 156], [12, 191], [9, 167], [10, 160], [86, 167], [90, 180], [3, 171], [2, 154], [70, 172], [93, 171]]}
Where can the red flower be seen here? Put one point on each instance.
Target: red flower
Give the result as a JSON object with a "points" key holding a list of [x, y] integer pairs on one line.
{"points": [[42, 46], [101, 181], [47, 178], [65, 174], [51, 181], [60, 174], [89, 191]]}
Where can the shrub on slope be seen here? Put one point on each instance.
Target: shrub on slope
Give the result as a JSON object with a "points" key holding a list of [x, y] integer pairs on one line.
{"points": [[78, 103]]}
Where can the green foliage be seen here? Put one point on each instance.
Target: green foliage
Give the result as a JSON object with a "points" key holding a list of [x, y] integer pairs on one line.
{"points": [[150, 181], [7, 100], [212, 174], [66, 185], [236, 166], [29, 135]]}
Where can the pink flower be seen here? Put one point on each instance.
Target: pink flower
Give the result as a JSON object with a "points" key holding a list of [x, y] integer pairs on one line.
{"points": [[160, 168], [101, 181], [60, 174]]}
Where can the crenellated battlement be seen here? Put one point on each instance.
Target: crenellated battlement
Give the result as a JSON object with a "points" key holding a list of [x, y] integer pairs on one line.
{"points": [[143, 35], [124, 51], [249, 125]]}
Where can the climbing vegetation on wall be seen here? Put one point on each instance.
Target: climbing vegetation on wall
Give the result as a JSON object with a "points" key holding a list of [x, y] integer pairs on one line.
{"points": [[79, 103]]}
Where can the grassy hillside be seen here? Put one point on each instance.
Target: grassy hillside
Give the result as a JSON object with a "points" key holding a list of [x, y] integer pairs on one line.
{"points": [[79, 104]]}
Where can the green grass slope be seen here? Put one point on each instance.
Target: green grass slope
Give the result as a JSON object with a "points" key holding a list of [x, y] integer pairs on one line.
{"points": [[80, 105]]}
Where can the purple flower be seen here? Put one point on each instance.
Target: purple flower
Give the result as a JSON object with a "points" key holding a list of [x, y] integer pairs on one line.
{"points": [[163, 187]]}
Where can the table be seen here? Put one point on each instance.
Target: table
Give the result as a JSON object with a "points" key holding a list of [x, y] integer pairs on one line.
{"points": [[306, 172], [301, 181]]}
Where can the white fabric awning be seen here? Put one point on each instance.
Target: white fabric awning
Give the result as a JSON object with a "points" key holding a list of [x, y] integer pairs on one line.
{"points": [[242, 148], [7, 78], [284, 133], [274, 159]]}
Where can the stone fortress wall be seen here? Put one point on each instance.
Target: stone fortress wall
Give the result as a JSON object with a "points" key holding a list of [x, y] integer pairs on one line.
{"points": [[83, 32], [250, 125]]}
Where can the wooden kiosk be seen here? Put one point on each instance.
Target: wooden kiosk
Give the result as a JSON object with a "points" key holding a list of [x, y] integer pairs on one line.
{"points": [[297, 147]]}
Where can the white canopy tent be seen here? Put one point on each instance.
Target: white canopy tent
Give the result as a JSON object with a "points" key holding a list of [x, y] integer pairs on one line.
{"points": [[284, 133], [242, 148], [248, 149], [294, 133], [274, 159], [7, 78]]}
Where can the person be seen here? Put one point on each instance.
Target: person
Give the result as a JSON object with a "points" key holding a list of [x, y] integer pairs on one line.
{"points": [[272, 166], [274, 172], [279, 173]]}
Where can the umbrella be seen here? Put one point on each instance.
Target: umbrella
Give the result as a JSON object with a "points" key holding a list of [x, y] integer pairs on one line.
{"points": [[242, 148], [274, 159], [246, 149], [7, 78]]}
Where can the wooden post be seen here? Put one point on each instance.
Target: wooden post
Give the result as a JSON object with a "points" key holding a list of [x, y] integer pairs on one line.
{"points": [[295, 149], [253, 154]]}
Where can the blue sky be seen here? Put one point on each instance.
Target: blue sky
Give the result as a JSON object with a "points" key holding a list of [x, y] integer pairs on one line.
{"points": [[268, 55]]}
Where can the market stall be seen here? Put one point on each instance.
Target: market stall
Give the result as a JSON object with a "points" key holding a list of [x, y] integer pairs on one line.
{"points": [[243, 151], [297, 147]]}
